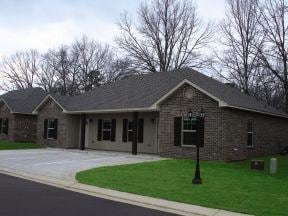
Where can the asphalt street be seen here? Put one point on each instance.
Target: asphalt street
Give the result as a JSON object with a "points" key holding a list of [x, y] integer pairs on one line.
{"points": [[19, 197]]}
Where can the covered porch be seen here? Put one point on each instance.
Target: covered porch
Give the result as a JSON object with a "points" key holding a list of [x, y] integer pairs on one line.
{"points": [[135, 132]]}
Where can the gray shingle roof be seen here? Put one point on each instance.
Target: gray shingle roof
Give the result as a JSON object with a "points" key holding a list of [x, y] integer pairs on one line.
{"points": [[24, 100], [142, 91]]}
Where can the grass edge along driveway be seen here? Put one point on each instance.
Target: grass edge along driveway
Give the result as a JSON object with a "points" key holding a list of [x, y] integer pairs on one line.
{"points": [[230, 186], [6, 145]]}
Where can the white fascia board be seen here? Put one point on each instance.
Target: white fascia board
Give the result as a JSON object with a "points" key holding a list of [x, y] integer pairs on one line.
{"points": [[185, 81], [256, 111], [24, 113], [221, 103], [112, 111], [1, 99], [35, 111], [155, 106]]}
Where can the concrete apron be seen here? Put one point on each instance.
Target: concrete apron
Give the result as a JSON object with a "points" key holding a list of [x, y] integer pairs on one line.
{"points": [[133, 199], [64, 164]]}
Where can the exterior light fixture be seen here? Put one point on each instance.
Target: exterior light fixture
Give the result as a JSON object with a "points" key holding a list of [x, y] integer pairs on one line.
{"points": [[190, 114], [202, 113], [200, 121]]}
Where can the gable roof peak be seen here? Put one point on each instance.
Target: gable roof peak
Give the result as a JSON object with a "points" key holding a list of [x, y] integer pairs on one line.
{"points": [[23, 100]]}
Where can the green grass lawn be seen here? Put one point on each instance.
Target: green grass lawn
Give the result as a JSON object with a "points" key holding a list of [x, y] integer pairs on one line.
{"points": [[231, 186], [5, 145]]}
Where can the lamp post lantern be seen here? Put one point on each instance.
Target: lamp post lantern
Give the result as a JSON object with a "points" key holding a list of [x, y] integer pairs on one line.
{"points": [[190, 115], [202, 113], [197, 178]]}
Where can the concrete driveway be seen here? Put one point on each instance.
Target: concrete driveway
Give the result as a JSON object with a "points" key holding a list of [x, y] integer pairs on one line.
{"points": [[64, 164]]}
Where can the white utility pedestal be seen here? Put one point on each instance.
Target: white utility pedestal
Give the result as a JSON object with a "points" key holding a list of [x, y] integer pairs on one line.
{"points": [[273, 166]]}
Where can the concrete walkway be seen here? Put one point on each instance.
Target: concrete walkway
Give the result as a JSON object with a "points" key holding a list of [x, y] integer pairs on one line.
{"points": [[52, 172]]}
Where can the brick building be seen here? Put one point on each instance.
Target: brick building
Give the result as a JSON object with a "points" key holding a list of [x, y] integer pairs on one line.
{"points": [[17, 123], [148, 114]]}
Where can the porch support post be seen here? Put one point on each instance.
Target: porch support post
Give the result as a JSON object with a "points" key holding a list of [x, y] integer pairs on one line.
{"points": [[83, 127], [135, 130]]}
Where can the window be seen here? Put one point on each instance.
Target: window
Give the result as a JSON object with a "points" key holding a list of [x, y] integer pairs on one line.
{"points": [[130, 131], [4, 125], [52, 129], [128, 126], [106, 130], [250, 134], [189, 132]]}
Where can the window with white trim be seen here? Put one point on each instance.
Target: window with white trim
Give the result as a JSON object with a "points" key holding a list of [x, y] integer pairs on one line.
{"points": [[250, 134], [189, 132], [106, 129], [51, 129]]}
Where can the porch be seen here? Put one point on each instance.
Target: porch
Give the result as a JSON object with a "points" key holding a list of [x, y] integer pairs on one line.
{"points": [[126, 132]]}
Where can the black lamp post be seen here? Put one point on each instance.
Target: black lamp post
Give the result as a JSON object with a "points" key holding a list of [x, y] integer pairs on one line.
{"points": [[197, 178]]}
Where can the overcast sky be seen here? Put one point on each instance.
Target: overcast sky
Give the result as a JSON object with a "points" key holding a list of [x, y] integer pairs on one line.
{"points": [[44, 24]]}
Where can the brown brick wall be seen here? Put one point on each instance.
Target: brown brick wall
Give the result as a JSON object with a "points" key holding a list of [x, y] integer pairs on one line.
{"points": [[22, 128], [53, 111], [225, 129], [177, 106], [25, 128], [5, 113], [269, 133]]}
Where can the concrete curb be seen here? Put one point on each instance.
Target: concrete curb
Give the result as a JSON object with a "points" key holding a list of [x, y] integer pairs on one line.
{"points": [[133, 199]]}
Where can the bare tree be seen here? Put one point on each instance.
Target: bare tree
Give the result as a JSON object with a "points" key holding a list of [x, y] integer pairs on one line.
{"points": [[91, 60], [46, 77], [19, 70], [270, 90], [58, 71], [80, 67], [274, 54], [119, 68], [168, 35], [97, 64], [66, 70], [241, 41]]}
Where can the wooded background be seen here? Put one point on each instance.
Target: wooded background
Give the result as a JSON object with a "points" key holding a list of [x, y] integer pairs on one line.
{"points": [[247, 50]]}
